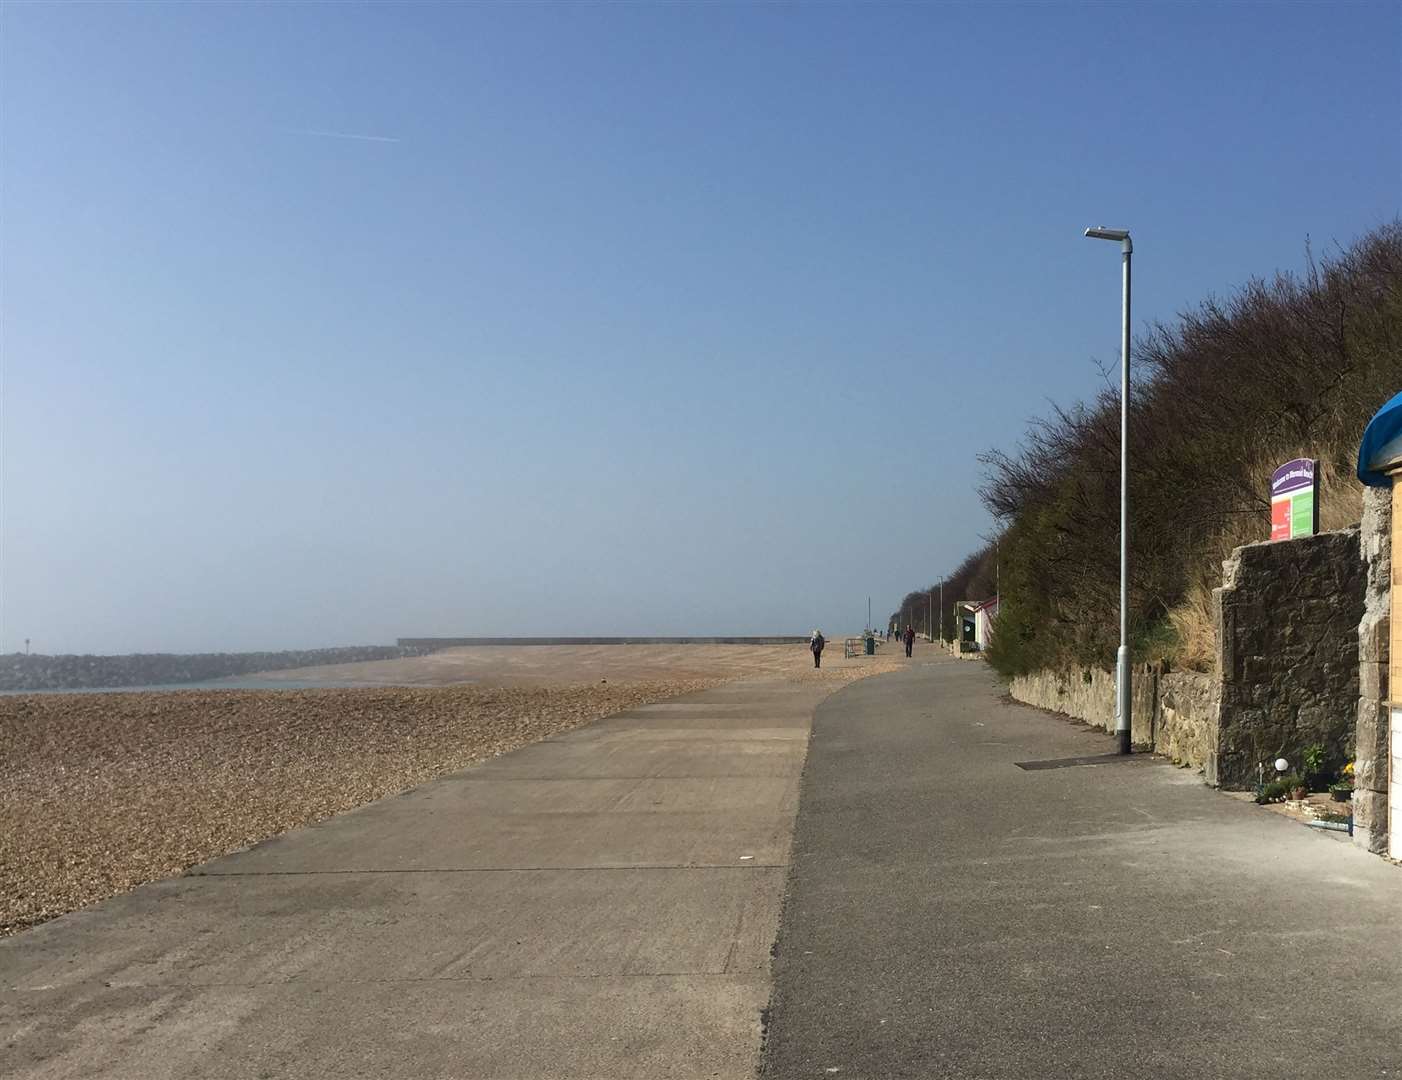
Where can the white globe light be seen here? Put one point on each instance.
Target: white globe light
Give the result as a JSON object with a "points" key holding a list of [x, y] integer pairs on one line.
{"points": [[1281, 764]]}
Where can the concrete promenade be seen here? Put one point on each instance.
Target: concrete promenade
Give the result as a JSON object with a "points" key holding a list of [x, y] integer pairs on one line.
{"points": [[952, 915], [603, 904], [598, 905]]}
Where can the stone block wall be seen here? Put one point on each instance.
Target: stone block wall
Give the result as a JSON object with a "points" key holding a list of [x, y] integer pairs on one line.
{"points": [[1370, 813], [1185, 726], [1088, 695], [1085, 694], [1287, 652], [1292, 661]]}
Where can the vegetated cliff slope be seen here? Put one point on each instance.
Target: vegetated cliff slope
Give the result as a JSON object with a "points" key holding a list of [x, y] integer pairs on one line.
{"points": [[1293, 366]]}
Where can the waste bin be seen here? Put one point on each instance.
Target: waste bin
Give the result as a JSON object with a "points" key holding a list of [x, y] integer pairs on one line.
{"points": [[871, 645]]}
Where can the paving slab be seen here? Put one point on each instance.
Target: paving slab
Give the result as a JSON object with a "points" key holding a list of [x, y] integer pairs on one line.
{"points": [[620, 758], [691, 1027], [409, 837], [601, 904], [197, 931], [472, 790]]}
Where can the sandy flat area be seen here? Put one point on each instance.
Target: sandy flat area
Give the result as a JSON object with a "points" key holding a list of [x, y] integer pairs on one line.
{"points": [[102, 792], [540, 665]]}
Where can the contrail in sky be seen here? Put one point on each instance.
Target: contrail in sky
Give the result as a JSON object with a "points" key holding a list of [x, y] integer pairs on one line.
{"points": [[340, 135]]}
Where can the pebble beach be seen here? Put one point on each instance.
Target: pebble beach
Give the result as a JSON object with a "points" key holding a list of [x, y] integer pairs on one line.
{"points": [[100, 793]]}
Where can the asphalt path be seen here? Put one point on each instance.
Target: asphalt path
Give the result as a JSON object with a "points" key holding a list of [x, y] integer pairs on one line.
{"points": [[949, 914]]}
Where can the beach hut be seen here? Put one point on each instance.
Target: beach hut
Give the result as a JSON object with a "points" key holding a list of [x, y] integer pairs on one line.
{"points": [[976, 619], [985, 615]]}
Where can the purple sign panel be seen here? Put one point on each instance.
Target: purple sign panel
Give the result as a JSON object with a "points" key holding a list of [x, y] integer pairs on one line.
{"points": [[1293, 476], [1295, 499]]}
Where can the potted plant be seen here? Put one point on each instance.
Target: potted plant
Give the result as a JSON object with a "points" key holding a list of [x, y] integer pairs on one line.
{"points": [[1341, 790], [1314, 756]]}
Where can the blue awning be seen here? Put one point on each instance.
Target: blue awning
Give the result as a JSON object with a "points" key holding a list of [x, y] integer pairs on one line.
{"points": [[1382, 445]]}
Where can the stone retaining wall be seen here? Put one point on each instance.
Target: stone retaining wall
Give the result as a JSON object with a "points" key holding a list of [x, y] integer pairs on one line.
{"points": [[1171, 712], [1185, 725], [1288, 665]]}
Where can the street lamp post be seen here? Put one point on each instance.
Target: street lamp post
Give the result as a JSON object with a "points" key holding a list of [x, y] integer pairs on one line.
{"points": [[1123, 684]]}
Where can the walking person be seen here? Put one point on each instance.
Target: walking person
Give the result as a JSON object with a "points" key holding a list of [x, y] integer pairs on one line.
{"points": [[909, 639], [816, 645]]}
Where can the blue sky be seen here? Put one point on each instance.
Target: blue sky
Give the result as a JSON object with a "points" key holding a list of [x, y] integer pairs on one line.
{"points": [[626, 319]]}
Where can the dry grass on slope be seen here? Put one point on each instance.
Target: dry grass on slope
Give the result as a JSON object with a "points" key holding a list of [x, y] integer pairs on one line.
{"points": [[1340, 507]]}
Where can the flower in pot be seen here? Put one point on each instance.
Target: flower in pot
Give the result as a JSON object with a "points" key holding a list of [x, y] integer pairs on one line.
{"points": [[1300, 793]]}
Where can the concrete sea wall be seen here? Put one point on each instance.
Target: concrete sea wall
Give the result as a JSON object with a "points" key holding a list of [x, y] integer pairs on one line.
{"points": [[459, 642]]}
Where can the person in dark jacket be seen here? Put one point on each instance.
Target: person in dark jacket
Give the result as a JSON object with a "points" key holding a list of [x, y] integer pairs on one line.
{"points": [[909, 636], [816, 645]]}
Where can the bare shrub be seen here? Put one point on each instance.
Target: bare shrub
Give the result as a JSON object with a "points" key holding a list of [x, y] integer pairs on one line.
{"points": [[1294, 365]]}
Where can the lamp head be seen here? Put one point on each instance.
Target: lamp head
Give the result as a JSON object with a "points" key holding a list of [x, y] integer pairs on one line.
{"points": [[1100, 232]]}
